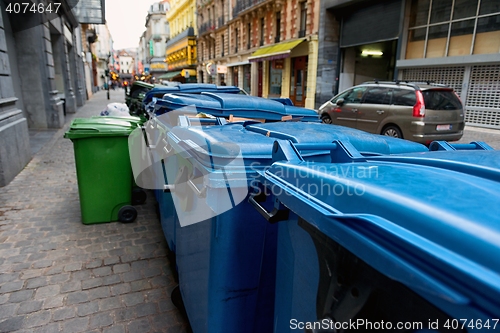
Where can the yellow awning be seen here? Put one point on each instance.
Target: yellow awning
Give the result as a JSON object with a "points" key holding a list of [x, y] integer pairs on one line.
{"points": [[276, 51], [192, 72], [169, 75]]}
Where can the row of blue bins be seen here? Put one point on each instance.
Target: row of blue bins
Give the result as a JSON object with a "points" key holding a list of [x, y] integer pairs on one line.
{"points": [[286, 226]]}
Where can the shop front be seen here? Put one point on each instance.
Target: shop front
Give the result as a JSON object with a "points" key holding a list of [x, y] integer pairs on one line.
{"points": [[286, 69]]}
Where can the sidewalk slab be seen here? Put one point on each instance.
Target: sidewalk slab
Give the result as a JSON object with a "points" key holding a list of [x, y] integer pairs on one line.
{"points": [[58, 274]]}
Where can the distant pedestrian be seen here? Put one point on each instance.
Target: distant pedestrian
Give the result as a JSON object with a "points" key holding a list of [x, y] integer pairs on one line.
{"points": [[223, 83]]}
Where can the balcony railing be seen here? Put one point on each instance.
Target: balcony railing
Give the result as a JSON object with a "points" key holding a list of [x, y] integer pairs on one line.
{"points": [[277, 39], [248, 46], [206, 27], [302, 33], [261, 42], [242, 5]]}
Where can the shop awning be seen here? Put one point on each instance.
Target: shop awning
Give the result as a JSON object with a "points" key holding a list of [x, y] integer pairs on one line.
{"points": [[190, 72], [276, 51], [169, 75]]}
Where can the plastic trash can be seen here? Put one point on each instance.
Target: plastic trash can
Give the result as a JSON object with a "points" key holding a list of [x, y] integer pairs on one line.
{"points": [[139, 196], [103, 169], [226, 262], [387, 240], [227, 104], [294, 131]]}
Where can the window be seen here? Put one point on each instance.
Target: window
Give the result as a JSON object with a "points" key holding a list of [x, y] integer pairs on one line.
{"points": [[278, 28], [303, 19], [222, 45], [403, 97], [262, 31], [441, 100], [447, 28], [377, 95], [352, 96], [236, 40], [249, 35]]}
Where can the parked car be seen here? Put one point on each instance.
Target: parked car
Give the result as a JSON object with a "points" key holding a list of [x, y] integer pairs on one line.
{"points": [[421, 112]]}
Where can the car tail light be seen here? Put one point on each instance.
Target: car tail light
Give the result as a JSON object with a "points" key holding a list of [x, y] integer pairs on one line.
{"points": [[419, 107]]}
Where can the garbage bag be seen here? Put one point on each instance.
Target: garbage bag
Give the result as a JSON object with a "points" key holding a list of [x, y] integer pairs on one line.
{"points": [[116, 110]]}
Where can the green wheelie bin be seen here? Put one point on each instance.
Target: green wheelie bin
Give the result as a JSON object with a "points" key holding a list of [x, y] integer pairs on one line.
{"points": [[103, 169]]}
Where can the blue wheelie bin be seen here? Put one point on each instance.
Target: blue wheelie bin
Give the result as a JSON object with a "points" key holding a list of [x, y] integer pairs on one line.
{"points": [[405, 243], [225, 250], [296, 132]]}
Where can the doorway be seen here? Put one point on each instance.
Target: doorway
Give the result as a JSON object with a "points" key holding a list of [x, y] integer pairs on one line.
{"points": [[298, 81]]}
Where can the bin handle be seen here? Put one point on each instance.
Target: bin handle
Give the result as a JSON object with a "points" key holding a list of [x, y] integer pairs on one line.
{"points": [[273, 216], [200, 193]]}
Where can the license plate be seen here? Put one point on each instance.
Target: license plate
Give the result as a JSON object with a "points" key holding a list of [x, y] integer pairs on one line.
{"points": [[446, 127]]}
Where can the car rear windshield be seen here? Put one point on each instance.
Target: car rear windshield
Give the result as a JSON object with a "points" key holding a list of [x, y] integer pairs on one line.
{"points": [[440, 99]]}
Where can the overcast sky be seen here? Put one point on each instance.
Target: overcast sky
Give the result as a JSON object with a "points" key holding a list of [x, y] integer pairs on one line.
{"points": [[126, 19]]}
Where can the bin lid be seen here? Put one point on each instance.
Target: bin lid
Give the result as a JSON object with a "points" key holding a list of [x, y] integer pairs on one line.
{"points": [[225, 105], [189, 88], [426, 220], [100, 126], [364, 142], [254, 142], [131, 119]]}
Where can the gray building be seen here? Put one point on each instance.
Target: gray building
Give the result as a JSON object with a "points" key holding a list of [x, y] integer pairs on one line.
{"points": [[41, 79], [453, 42]]}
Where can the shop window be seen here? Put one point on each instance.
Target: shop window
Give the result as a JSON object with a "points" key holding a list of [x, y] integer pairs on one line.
{"points": [[439, 35], [464, 8], [489, 7], [441, 11], [487, 35], [275, 77], [461, 38]]}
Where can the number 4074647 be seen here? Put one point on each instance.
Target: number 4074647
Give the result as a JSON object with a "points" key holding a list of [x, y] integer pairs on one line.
{"points": [[30, 7]]}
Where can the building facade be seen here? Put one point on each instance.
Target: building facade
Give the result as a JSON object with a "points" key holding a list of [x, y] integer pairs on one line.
{"points": [[268, 48], [155, 38], [41, 79], [452, 42], [126, 65], [103, 53], [181, 49]]}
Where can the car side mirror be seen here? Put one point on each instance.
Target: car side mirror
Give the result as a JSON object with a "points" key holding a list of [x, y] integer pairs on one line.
{"points": [[340, 102]]}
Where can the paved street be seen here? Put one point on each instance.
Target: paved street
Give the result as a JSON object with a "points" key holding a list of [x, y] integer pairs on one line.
{"points": [[490, 136], [57, 274]]}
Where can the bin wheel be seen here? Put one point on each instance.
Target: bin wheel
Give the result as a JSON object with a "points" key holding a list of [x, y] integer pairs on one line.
{"points": [[127, 214], [139, 196]]}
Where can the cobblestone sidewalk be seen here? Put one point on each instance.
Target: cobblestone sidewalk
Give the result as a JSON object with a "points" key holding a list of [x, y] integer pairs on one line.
{"points": [[58, 275]]}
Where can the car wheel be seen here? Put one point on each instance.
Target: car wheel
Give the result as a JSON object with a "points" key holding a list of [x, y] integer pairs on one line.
{"points": [[326, 119], [393, 131]]}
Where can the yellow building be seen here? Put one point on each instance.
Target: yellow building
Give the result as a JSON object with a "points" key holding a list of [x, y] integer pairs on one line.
{"points": [[181, 48]]}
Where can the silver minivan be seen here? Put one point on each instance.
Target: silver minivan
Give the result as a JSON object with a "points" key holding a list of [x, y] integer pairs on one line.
{"points": [[421, 112]]}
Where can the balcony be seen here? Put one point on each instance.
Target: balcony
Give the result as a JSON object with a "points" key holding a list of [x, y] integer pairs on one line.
{"points": [[221, 22], [243, 5], [206, 27], [157, 38]]}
